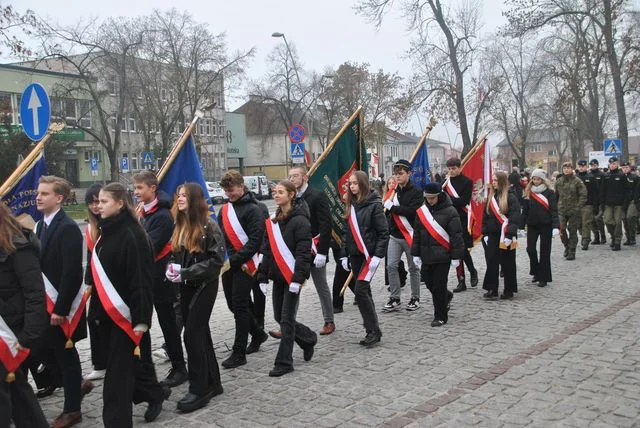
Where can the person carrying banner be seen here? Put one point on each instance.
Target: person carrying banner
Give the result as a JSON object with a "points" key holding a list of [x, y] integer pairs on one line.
{"points": [[540, 216], [198, 254], [459, 188], [401, 212], [572, 195], [438, 244], [614, 197], [122, 268], [500, 228], [23, 320], [287, 262], [61, 263], [154, 213], [364, 244], [598, 209], [242, 224]]}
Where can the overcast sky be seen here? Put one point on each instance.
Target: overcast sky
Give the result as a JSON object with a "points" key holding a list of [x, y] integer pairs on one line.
{"points": [[325, 32]]}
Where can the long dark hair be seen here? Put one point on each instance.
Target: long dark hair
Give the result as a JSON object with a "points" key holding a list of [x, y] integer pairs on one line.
{"points": [[9, 227], [363, 191], [93, 192], [502, 192], [291, 189], [190, 224], [119, 193]]}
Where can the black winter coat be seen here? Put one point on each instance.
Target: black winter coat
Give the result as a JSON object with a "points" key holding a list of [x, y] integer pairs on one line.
{"points": [[410, 199], [373, 228], [491, 225], [614, 188], [464, 187], [125, 253], [22, 298], [632, 184], [296, 232], [534, 214], [592, 185], [251, 218], [320, 217], [428, 248]]}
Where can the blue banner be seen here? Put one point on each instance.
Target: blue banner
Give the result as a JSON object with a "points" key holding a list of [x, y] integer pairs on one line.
{"points": [[420, 165], [21, 198]]}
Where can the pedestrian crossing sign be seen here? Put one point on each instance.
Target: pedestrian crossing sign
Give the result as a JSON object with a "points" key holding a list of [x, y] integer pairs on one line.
{"points": [[147, 158], [297, 152], [613, 147]]}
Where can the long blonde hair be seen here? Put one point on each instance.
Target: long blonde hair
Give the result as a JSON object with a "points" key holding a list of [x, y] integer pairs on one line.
{"points": [[502, 192], [363, 191]]}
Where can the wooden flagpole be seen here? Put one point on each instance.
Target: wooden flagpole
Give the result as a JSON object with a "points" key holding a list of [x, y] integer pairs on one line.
{"points": [[473, 150]]}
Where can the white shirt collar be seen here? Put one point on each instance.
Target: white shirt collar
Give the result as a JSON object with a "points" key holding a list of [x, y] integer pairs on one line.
{"points": [[49, 218], [302, 189], [150, 205]]}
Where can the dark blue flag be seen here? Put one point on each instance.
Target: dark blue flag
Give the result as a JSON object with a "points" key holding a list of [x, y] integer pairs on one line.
{"points": [[21, 197], [420, 164], [185, 168]]}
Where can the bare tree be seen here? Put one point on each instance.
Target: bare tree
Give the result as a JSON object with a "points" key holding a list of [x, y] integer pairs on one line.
{"points": [[13, 23]]}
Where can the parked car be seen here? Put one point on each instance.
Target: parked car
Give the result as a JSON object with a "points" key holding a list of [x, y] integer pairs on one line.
{"points": [[259, 185], [216, 193]]}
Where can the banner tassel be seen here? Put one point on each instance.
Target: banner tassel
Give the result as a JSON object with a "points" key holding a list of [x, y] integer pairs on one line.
{"points": [[136, 351], [10, 377], [69, 344]]}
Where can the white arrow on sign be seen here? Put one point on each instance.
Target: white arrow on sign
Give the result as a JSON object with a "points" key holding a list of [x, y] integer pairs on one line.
{"points": [[34, 105]]}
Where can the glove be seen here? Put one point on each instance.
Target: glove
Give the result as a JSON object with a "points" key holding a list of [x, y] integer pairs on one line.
{"points": [[555, 232], [375, 261], [486, 240], [522, 233], [320, 260], [294, 288], [345, 264], [264, 287], [388, 204], [417, 261], [455, 263], [507, 242]]}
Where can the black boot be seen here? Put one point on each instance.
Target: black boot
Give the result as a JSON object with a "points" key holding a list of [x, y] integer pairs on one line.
{"points": [[256, 341], [370, 339], [542, 284], [491, 295], [585, 244], [596, 240], [462, 286], [566, 252], [177, 376], [571, 255], [474, 278], [234, 360], [615, 247]]}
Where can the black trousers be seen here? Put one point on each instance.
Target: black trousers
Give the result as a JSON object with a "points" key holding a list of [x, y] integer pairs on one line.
{"points": [[18, 402], [540, 268], [285, 307], [259, 303], [436, 277], [68, 361], [98, 335], [197, 304], [167, 320], [495, 258], [363, 297], [128, 378], [467, 259], [339, 278], [50, 375], [237, 290]]}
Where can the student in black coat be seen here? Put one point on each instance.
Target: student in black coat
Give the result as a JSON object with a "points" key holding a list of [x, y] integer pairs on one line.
{"points": [[540, 216], [125, 253], [23, 310], [433, 251], [292, 221]]}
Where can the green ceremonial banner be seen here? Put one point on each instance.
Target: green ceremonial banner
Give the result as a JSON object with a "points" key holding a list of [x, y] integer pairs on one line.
{"points": [[346, 153]]}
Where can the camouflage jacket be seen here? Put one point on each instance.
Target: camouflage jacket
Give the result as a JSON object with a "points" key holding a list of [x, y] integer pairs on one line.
{"points": [[571, 192]]}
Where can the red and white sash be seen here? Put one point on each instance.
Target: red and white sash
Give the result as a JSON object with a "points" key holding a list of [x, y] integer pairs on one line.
{"points": [[504, 221], [282, 255], [315, 241], [403, 224], [237, 236], [113, 304], [436, 231], [451, 191], [367, 272], [87, 235], [72, 320], [10, 356], [541, 199]]}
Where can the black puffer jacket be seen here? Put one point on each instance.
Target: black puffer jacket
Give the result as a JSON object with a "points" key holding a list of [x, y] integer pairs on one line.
{"points": [[428, 248], [202, 267], [592, 185], [464, 188], [534, 214], [320, 217], [491, 225], [251, 219], [373, 228], [22, 299], [410, 198], [614, 188], [296, 232]]}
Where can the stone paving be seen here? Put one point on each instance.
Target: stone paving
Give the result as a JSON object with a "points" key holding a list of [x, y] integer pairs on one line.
{"points": [[564, 355]]}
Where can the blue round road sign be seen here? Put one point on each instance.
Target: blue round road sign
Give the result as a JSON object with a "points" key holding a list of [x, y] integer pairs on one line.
{"points": [[296, 133], [35, 111]]}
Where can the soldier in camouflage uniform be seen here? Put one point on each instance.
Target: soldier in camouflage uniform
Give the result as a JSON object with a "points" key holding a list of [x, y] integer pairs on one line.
{"points": [[572, 195], [591, 207]]}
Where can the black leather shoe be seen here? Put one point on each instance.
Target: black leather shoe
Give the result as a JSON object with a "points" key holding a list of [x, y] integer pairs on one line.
{"points": [[370, 340], [596, 241], [254, 346], [449, 299], [506, 296], [571, 255], [492, 295], [542, 284], [437, 323], [46, 391], [278, 371], [338, 310], [474, 278], [566, 252], [308, 352], [154, 409], [176, 376], [234, 360], [191, 402], [616, 247], [534, 279], [461, 286]]}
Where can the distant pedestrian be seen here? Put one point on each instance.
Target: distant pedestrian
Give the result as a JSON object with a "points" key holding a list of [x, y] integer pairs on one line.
{"points": [[572, 195]]}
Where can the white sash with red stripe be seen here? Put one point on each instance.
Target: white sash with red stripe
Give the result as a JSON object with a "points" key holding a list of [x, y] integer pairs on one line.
{"points": [[403, 224], [113, 304], [541, 199], [367, 272], [237, 236], [10, 356], [72, 320], [504, 221], [436, 231], [448, 187], [315, 241], [282, 255], [87, 235]]}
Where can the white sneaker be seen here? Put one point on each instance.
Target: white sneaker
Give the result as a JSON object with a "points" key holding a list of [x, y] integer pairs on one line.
{"points": [[95, 375]]}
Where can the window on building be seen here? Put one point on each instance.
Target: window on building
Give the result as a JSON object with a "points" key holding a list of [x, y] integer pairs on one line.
{"points": [[6, 109], [535, 148], [132, 124], [163, 94], [114, 122], [83, 109], [133, 162], [221, 130], [89, 154], [207, 127], [112, 85]]}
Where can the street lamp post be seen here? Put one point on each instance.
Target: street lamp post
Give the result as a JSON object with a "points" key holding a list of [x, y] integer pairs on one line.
{"points": [[293, 61]]}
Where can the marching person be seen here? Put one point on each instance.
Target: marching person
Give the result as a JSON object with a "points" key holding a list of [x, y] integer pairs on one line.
{"points": [[155, 216], [287, 261], [242, 223], [122, 268], [630, 218], [364, 244], [614, 197], [540, 216], [460, 188], [572, 196], [591, 206], [23, 319], [500, 228], [61, 263], [438, 244], [259, 302], [198, 254], [401, 213], [598, 222]]}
